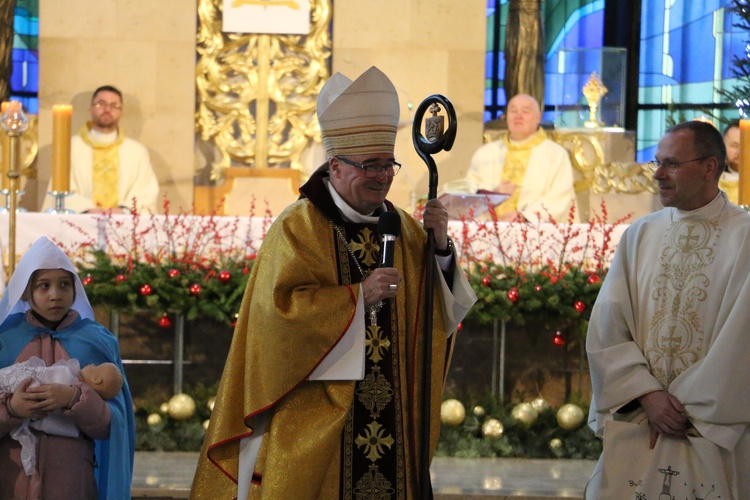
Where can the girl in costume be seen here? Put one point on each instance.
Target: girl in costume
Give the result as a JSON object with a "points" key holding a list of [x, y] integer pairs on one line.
{"points": [[45, 313]]}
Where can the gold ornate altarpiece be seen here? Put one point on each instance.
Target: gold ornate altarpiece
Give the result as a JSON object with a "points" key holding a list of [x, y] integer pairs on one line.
{"points": [[256, 101]]}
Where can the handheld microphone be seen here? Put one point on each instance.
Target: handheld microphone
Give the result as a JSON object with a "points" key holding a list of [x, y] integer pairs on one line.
{"points": [[389, 228]]}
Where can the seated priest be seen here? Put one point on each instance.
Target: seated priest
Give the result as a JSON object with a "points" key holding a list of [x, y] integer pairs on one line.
{"points": [[535, 171]]}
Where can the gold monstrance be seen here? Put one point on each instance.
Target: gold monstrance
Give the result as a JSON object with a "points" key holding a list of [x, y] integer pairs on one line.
{"points": [[593, 91]]}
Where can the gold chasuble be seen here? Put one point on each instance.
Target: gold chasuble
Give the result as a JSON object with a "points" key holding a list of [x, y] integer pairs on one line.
{"points": [[104, 169], [514, 168], [731, 186], [324, 439]]}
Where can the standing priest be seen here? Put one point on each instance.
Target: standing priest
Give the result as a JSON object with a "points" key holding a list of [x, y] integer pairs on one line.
{"points": [[319, 396]]}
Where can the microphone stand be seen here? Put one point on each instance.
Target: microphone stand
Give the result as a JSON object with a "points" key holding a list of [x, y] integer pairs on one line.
{"points": [[437, 140]]}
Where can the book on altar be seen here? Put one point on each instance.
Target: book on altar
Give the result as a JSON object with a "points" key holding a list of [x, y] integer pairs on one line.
{"points": [[467, 206]]}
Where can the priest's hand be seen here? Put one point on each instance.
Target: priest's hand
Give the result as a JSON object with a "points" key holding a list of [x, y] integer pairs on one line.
{"points": [[665, 414], [436, 218], [381, 284]]}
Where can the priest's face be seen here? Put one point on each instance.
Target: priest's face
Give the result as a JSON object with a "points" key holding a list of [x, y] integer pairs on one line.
{"points": [[106, 110], [687, 180], [362, 192], [523, 117], [732, 143]]}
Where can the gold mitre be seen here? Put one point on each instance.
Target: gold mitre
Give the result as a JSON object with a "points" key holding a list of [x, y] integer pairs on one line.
{"points": [[358, 117]]}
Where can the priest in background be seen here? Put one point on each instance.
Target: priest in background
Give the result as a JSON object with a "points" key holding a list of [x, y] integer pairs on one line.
{"points": [[320, 396], [730, 179], [526, 164], [108, 171]]}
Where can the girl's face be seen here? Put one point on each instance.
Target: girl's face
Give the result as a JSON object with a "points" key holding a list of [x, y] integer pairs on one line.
{"points": [[51, 295]]}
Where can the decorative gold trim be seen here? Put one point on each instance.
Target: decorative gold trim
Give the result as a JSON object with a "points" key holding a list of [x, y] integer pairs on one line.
{"points": [[257, 93]]}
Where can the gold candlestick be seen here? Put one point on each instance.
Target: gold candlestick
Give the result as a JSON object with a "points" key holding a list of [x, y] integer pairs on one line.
{"points": [[14, 123], [593, 91]]}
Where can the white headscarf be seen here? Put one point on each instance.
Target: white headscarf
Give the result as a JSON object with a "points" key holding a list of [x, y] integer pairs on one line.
{"points": [[43, 254]]}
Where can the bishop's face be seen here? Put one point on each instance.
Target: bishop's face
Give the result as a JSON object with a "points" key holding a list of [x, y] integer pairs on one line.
{"points": [[361, 192]]}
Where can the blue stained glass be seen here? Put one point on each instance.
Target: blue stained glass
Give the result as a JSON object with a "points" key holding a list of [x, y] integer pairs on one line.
{"points": [[24, 81]]}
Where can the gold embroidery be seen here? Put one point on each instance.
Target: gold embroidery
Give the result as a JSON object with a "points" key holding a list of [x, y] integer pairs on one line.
{"points": [[515, 165], [375, 392], [376, 343], [367, 248], [675, 338], [374, 440], [373, 485]]}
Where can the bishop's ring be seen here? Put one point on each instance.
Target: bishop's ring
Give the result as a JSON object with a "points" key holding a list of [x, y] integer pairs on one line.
{"points": [[392, 287]]}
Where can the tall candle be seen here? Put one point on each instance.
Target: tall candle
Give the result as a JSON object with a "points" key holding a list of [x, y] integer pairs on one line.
{"points": [[5, 144], [61, 116], [744, 190]]}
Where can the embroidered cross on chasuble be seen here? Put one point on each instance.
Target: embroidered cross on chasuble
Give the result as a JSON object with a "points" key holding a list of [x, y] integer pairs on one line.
{"points": [[515, 165], [372, 463], [104, 170]]}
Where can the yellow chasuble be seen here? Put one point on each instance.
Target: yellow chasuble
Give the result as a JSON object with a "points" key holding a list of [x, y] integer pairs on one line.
{"points": [[298, 304], [104, 169], [514, 168]]}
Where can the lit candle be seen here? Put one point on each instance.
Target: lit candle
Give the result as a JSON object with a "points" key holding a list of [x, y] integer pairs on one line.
{"points": [[744, 190], [5, 144], [61, 115]]}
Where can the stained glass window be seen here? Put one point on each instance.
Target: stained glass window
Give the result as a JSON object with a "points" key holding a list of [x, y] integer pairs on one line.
{"points": [[24, 81], [686, 53]]}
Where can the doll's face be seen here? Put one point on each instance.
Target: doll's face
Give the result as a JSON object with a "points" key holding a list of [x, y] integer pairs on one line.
{"points": [[51, 293], [105, 379]]}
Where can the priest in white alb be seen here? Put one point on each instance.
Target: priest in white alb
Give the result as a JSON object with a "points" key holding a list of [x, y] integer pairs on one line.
{"points": [[670, 334]]}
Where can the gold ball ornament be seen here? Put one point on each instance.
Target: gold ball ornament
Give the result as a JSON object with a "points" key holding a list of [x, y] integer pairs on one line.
{"points": [[452, 412], [555, 444], [492, 428], [569, 417], [540, 405], [210, 404], [205, 424], [164, 408], [525, 414], [181, 407], [153, 419], [478, 411]]}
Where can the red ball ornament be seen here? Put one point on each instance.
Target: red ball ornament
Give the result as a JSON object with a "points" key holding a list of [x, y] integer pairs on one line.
{"points": [[225, 276], [120, 278], [234, 321], [164, 321], [173, 273], [486, 280], [459, 327], [538, 288], [195, 289], [513, 294], [579, 306], [146, 289], [245, 270], [87, 280], [593, 278], [558, 339]]}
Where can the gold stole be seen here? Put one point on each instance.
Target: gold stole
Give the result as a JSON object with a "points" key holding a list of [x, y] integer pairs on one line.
{"points": [[731, 188], [105, 166], [514, 169]]}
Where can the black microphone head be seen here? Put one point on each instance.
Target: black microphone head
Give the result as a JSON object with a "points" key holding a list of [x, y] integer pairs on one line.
{"points": [[389, 223]]}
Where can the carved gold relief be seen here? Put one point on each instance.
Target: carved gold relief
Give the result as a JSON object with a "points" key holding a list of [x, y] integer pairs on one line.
{"points": [[257, 93], [598, 176]]}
